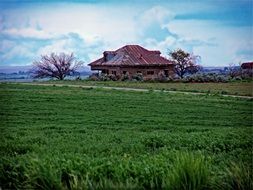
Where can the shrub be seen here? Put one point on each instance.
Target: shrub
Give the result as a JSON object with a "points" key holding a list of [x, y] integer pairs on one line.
{"points": [[237, 78], [161, 77], [189, 172], [112, 77], [138, 77], [104, 77], [125, 77], [94, 77], [221, 78], [245, 74], [210, 77], [151, 80]]}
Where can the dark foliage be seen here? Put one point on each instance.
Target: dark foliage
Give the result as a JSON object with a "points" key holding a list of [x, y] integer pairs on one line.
{"points": [[184, 62]]}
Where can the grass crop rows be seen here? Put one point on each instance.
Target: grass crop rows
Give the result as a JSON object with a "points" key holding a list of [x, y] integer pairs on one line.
{"points": [[74, 138]]}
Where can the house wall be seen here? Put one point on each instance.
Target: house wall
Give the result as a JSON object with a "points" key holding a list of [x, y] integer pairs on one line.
{"points": [[146, 71]]}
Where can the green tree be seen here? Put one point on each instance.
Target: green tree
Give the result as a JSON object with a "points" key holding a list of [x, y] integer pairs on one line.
{"points": [[184, 62]]}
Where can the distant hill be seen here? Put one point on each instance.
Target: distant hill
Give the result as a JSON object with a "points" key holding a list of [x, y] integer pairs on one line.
{"points": [[14, 69], [25, 69], [217, 70], [22, 73]]}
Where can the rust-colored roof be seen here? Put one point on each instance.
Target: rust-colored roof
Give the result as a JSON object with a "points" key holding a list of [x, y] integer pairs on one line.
{"points": [[247, 65], [132, 55]]}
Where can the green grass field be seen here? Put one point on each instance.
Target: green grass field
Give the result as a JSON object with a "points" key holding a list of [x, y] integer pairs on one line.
{"points": [[74, 138], [233, 88]]}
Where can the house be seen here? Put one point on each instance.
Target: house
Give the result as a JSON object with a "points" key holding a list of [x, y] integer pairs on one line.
{"points": [[247, 65], [131, 60]]}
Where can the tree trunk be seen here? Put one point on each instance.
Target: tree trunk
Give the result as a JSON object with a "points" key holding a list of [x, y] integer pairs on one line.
{"points": [[61, 77]]}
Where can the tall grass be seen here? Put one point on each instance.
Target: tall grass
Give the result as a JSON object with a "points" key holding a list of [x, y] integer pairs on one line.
{"points": [[186, 171], [238, 177], [189, 172]]}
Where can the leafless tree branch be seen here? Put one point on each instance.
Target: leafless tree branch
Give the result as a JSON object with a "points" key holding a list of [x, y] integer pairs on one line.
{"points": [[55, 66]]}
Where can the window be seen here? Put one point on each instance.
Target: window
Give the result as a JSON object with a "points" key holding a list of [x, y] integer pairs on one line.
{"points": [[166, 72], [109, 57], [105, 71], [150, 72], [124, 72], [139, 72], [114, 72]]}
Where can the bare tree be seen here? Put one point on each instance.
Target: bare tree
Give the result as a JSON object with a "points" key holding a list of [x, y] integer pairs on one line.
{"points": [[184, 62], [55, 66], [234, 70]]}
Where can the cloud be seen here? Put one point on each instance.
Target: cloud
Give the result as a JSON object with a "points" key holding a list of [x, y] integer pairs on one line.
{"points": [[24, 49], [113, 24], [73, 42], [164, 46], [16, 53], [216, 44], [6, 45], [245, 53], [152, 22], [156, 14], [26, 33], [89, 29], [159, 32], [1, 21]]}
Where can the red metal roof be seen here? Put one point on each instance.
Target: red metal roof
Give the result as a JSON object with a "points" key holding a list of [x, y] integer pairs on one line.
{"points": [[132, 55], [247, 65]]}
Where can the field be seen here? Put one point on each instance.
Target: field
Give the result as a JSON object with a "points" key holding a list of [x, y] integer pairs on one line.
{"points": [[233, 88], [75, 138]]}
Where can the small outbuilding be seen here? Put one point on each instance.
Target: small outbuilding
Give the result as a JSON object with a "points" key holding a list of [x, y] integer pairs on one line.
{"points": [[247, 65], [134, 59]]}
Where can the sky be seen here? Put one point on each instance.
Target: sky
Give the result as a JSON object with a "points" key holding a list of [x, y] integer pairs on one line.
{"points": [[220, 31]]}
